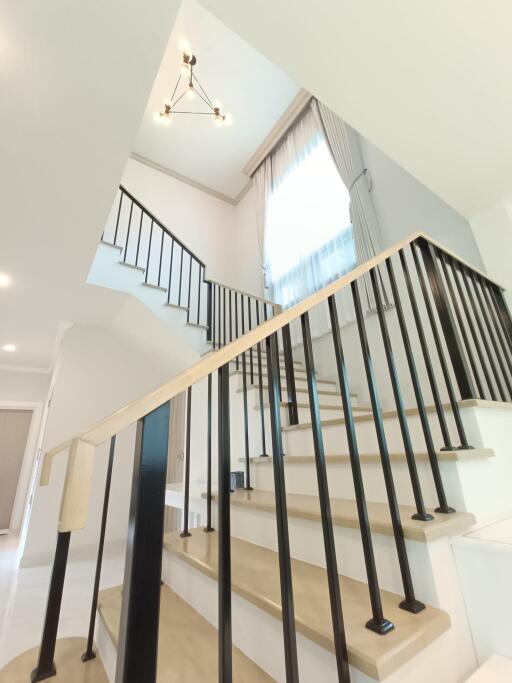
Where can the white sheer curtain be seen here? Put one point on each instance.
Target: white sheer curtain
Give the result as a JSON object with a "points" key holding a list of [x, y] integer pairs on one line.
{"points": [[345, 149]]}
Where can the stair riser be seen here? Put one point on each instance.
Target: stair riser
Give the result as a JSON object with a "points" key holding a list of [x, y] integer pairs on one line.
{"points": [[259, 635], [300, 382], [301, 478], [302, 396], [300, 441]]}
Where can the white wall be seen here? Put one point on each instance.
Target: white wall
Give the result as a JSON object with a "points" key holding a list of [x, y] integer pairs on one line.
{"points": [[24, 386], [247, 247], [98, 372], [404, 205]]}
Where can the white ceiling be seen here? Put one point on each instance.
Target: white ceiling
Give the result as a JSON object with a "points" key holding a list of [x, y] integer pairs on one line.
{"points": [[430, 83], [251, 89], [74, 78]]}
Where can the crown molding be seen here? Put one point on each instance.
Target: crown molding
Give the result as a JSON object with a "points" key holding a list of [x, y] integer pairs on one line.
{"points": [[182, 178], [280, 129]]}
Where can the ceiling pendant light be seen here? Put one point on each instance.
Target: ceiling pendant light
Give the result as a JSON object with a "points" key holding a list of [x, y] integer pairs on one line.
{"points": [[191, 89]]}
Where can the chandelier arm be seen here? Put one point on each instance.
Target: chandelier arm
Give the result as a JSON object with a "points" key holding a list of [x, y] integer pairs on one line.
{"points": [[203, 90], [205, 101], [173, 104], [175, 88], [198, 113]]}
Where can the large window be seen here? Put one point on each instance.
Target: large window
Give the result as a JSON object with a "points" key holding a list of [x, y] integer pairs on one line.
{"points": [[308, 234]]}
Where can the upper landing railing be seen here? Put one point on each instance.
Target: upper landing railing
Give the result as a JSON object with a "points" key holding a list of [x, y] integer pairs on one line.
{"points": [[168, 264], [452, 331]]}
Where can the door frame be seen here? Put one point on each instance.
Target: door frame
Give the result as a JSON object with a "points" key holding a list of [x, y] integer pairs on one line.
{"points": [[28, 466]]}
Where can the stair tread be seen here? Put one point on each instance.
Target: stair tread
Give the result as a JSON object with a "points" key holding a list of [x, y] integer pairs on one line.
{"points": [[447, 456], [283, 376], [300, 390], [183, 634], [255, 576], [385, 414], [344, 513]]}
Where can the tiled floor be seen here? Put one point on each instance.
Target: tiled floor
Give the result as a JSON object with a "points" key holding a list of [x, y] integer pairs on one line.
{"points": [[23, 594]]}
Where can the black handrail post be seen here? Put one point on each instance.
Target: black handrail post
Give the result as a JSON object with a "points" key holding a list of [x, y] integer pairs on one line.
{"points": [[293, 413], [146, 274], [410, 603], [118, 215], [209, 460], [140, 611], [378, 622], [338, 627], [209, 306], [45, 664], [264, 453], [503, 311], [431, 451], [421, 512], [283, 541], [453, 343], [89, 652], [224, 552], [128, 233], [186, 495]]}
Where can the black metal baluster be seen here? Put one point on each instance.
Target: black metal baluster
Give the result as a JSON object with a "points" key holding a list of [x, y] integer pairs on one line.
{"points": [[495, 346], [189, 286], [340, 644], [250, 328], [209, 460], [170, 272], [451, 335], [224, 552], [378, 622], [426, 356], [45, 666], [410, 603], [431, 451], [439, 347], [488, 354], [236, 327], [246, 414], [264, 453], [212, 285], [161, 254], [199, 268], [138, 239], [224, 313], [503, 312], [140, 611], [497, 327], [186, 493], [181, 276], [421, 512], [89, 652], [128, 233], [149, 252], [283, 541], [474, 335], [218, 313], [462, 327], [118, 216], [293, 413]]}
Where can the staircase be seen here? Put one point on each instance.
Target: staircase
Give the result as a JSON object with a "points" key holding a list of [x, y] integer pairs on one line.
{"points": [[333, 560]]}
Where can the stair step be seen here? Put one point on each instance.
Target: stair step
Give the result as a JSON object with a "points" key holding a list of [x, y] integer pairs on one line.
{"points": [[344, 514], [187, 642], [320, 381], [192, 324], [255, 577], [300, 390], [132, 265]]}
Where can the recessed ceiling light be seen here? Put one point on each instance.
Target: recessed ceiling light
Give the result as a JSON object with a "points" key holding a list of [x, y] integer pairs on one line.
{"points": [[5, 280], [10, 348]]}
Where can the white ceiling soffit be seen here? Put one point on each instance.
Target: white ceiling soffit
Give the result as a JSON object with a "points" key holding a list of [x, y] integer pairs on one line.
{"points": [[75, 77], [427, 82], [251, 89]]}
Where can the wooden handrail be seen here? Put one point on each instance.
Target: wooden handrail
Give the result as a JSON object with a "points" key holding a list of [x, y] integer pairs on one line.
{"points": [[140, 407]]}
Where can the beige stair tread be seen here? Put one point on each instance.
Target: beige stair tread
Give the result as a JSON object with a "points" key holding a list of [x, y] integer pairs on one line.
{"points": [[283, 376], [70, 668], [385, 414], [344, 513], [328, 406], [442, 456], [300, 390], [187, 651], [255, 576]]}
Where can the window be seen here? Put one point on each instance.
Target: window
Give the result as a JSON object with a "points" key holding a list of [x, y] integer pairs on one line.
{"points": [[308, 234]]}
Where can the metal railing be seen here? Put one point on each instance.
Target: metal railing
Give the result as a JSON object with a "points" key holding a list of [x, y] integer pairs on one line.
{"points": [[455, 336], [168, 264]]}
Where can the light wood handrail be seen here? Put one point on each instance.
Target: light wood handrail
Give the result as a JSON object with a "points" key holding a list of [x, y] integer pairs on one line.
{"points": [[140, 407]]}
